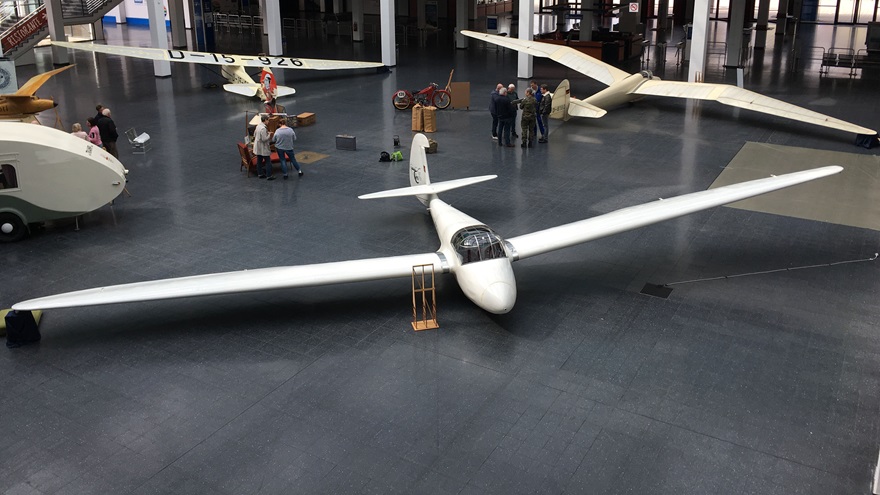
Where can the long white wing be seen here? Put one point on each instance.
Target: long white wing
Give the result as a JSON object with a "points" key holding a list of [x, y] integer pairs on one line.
{"points": [[657, 211], [743, 98], [435, 188], [243, 281], [220, 58], [569, 57]]}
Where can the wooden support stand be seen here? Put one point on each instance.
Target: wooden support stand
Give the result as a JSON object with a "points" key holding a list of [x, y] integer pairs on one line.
{"points": [[423, 293]]}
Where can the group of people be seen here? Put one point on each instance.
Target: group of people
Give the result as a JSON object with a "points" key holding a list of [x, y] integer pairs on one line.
{"points": [[284, 136], [536, 106], [102, 131]]}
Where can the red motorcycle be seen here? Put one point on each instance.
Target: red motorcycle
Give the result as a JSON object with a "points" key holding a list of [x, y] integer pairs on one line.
{"points": [[432, 95]]}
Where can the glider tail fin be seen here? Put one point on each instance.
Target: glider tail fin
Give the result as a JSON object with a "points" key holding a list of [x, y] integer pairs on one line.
{"points": [[420, 180], [561, 101]]}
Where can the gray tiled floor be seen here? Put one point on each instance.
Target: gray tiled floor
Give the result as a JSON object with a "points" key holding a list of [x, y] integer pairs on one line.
{"points": [[764, 384]]}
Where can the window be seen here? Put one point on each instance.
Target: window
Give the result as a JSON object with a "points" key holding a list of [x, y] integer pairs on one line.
{"points": [[478, 244], [8, 179]]}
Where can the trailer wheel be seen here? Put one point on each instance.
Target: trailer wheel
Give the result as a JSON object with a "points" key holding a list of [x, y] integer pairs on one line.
{"points": [[12, 228]]}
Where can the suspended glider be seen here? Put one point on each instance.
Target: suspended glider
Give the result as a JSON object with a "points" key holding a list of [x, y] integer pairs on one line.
{"points": [[233, 67], [479, 258], [47, 174], [24, 102], [624, 87]]}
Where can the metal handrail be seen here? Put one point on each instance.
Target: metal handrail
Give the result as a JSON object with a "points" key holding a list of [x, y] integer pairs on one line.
{"points": [[10, 9]]}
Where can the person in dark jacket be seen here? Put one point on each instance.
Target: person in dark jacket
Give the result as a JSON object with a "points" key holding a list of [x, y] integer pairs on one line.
{"points": [[492, 97], [513, 96], [505, 112], [544, 109], [107, 128]]}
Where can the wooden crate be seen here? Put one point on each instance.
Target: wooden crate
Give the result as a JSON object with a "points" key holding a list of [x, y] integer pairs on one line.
{"points": [[305, 119]]}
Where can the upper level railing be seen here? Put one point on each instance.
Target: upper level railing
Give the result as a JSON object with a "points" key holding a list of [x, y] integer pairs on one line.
{"points": [[12, 11]]}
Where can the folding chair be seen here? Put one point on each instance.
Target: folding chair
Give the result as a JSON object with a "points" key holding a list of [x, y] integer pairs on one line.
{"points": [[140, 143]]}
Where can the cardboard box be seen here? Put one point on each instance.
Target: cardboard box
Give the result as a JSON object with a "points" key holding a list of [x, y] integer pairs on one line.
{"points": [[305, 119], [346, 142]]}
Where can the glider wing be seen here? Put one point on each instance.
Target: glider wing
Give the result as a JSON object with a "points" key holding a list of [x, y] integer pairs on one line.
{"points": [[743, 98], [220, 58], [567, 56], [634, 217], [241, 281]]}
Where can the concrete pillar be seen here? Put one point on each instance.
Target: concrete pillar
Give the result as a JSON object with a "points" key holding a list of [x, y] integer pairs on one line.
{"points": [[56, 31], [461, 23], [420, 13], [735, 33], [98, 29], [525, 63], [662, 21], [263, 14], [272, 21], [781, 16], [158, 35], [337, 6], [587, 20], [122, 15], [386, 27], [762, 24], [697, 64], [178, 23], [357, 20]]}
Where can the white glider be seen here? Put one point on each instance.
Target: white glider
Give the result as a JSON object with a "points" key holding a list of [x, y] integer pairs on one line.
{"points": [[233, 66], [624, 87], [479, 258]]}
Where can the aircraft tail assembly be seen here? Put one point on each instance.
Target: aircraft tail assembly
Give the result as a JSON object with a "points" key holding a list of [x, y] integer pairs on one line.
{"points": [[420, 179], [566, 107]]}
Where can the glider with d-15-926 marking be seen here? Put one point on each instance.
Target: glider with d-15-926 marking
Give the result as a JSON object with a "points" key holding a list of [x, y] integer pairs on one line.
{"points": [[480, 259], [232, 66]]}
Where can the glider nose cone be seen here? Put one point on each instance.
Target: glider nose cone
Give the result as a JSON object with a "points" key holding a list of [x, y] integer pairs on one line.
{"points": [[498, 298]]}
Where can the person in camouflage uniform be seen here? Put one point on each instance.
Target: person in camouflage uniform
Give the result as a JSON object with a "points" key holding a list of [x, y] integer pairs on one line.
{"points": [[527, 122]]}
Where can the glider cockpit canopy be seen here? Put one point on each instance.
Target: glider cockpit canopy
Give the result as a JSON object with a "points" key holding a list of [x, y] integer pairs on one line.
{"points": [[478, 243]]}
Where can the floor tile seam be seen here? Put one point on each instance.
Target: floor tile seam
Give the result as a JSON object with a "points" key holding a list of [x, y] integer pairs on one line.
{"points": [[730, 442], [224, 425]]}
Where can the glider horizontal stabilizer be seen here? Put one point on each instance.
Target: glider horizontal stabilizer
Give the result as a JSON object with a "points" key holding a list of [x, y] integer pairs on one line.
{"points": [[220, 58], [242, 281], [634, 217], [242, 89], [426, 189]]}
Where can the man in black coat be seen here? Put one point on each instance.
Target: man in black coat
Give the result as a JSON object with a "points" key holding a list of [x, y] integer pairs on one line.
{"points": [[107, 128], [505, 112]]}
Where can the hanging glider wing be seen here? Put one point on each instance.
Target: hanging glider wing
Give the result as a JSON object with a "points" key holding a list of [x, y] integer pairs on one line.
{"points": [[275, 62], [664, 209], [743, 98]]}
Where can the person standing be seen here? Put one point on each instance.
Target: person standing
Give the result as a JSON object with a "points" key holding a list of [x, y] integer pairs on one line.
{"points": [[107, 128], [262, 149], [513, 96], [284, 138], [492, 97], [545, 107], [529, 113], [77, 130], [98, 109], [94, 133], [504, 109], [537, 92]]}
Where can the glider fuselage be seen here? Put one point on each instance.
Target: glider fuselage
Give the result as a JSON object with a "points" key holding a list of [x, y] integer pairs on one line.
{"points": [[13, 106], [476, 256], [620, 92]]}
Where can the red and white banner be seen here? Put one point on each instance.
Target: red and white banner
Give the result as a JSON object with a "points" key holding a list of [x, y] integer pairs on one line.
{"points": [[23, 31]]}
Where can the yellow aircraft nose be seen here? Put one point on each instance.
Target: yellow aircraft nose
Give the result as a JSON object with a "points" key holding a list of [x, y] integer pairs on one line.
{"points": [[498, 298]]}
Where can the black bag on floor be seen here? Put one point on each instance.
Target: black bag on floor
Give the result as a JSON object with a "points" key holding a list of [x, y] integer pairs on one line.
{"points": [[866, 140], [21, 328]]}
